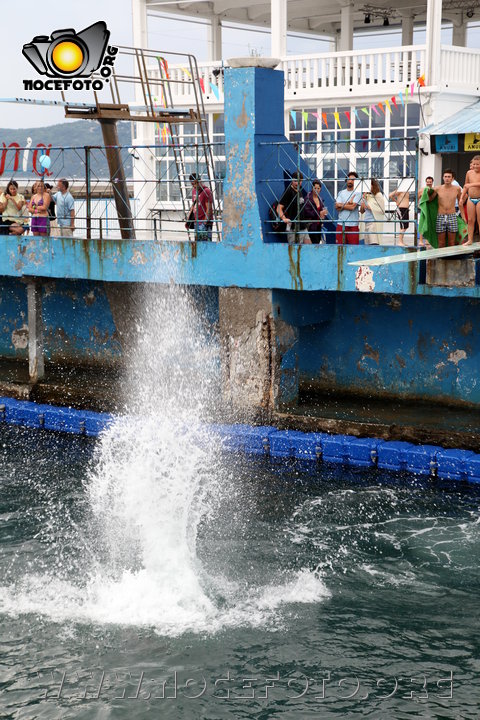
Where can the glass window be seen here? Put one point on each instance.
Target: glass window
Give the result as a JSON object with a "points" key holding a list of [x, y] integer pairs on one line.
{"points": [[395, 166], [218, 124], [413, 115], [379, 141], [296, 120], [362, 167], [398, 114], [362, 141], [377, 167], [377, 118]]}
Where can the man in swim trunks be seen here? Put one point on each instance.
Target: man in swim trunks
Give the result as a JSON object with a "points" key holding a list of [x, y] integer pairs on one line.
{"points": [[471, 193], [447, 221], [402, 200]]}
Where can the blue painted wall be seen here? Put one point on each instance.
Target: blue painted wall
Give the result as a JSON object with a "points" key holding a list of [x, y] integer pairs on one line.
{"points": [[394, 345], [78, 324]]}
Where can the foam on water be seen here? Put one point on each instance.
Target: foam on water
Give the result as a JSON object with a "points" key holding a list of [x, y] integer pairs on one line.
{"points": [[149, 488]]}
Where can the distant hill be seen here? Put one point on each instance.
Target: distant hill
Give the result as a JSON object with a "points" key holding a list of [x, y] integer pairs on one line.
{"points": [[65, 162]]}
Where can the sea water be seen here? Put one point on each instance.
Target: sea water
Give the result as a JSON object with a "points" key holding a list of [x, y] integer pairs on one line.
{"points": [[152, 574]]}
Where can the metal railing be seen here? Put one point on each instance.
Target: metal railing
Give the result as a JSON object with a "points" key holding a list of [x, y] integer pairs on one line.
{"points": [[154, 193], [154, 188], [310, 158]]}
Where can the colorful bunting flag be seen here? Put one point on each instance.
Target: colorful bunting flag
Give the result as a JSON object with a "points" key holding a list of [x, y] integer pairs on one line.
{"points": [[348, 114], [215, 90], [202, 85]]}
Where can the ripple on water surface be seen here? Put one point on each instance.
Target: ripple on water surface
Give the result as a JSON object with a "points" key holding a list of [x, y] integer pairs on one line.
{"points": [[247, 568]]}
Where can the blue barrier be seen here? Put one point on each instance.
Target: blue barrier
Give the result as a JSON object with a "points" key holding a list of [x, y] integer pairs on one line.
{"points": [[431, 460]]}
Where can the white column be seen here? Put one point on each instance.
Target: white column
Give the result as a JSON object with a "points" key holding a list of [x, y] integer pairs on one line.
{"points": [[459, 33], [433, 41], [139, 24], [407, 28], [346, 27], [144, 167], [36, 369], [278, 28], [214, 39]]}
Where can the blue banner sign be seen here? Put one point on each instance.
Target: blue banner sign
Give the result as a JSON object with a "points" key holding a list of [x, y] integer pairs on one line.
{"points": [[446, 143]]}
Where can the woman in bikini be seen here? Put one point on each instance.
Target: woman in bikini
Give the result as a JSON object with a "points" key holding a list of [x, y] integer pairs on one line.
{"points": [[38, 207], [471, 194]]}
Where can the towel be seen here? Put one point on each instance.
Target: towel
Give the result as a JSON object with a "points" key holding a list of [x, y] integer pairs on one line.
{"points": [[428, 221]]}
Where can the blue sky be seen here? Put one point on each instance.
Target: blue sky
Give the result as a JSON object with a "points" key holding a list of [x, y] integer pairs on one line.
{"points": [[166, 34]]}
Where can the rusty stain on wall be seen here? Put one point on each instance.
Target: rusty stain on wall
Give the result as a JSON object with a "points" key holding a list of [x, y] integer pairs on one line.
{"points": [[456, 356], [242, 120], [371, 353], [294, 266], [241, 192], [138, 258], [422, 345], [20, 338]]}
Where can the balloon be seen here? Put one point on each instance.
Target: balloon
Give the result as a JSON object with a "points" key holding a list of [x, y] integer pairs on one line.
{"points": [[45, 161]]}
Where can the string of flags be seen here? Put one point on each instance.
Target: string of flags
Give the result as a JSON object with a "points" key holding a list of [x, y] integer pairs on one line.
{"points": [[378, 108]]}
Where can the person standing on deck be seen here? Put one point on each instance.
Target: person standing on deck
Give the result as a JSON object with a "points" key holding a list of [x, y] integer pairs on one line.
{"points": [[373, 210], [428, 184], [402, 201], [447, 220], [65, 209], [290, 211], [471, 194], [202, 209], [347, 203]]}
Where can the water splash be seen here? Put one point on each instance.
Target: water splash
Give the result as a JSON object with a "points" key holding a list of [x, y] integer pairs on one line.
{"points": [[155, 478]]}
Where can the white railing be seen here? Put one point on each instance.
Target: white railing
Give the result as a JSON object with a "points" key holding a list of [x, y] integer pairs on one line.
{"points": [[460, 68], [210, 77], [352, 73], [340, 75]]}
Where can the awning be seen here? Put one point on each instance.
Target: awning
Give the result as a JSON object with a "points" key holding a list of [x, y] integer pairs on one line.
{"points": [[464, 121]]}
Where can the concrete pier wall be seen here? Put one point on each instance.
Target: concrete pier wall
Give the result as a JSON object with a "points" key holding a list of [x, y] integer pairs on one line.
{"points": [[283, 317]]}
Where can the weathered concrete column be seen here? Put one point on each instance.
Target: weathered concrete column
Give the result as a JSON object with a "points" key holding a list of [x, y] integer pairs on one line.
{"points": [[451, 272], [346, 27], [407, 27], [214, 39], [36, 367], [459, 32], [278, 28], [258, 351], [433, 41]]}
